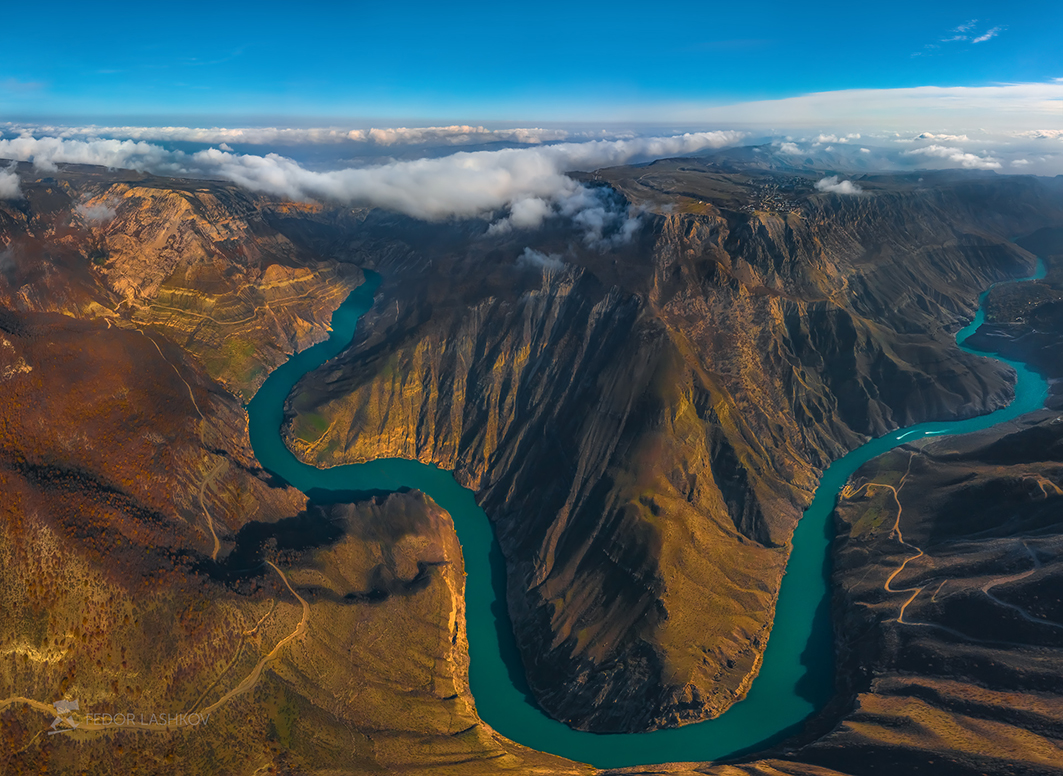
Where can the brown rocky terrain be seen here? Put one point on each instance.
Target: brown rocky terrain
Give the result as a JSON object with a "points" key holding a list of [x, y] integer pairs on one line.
{"points": [[206, 264], [109, 479], [948, 609], [1026, 323], [947, 606], [645, 426], [125, 470]]}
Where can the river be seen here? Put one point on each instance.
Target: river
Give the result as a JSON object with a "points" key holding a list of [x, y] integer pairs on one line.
{"points": [[797, 676]]}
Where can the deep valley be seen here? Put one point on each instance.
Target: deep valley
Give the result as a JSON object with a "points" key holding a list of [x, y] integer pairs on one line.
{"points": [[643, 424]]}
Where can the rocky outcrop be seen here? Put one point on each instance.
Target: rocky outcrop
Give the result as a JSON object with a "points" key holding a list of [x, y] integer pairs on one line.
{"points": [[645, 429]]}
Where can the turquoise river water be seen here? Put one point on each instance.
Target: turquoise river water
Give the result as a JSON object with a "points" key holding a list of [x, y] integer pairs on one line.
{"points": [[797, 676]]}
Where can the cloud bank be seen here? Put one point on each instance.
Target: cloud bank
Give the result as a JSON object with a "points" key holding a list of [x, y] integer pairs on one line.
{"points": [[930, 136], [454, 135], [1042, 134], [1001, 107], [957, 156], [530, 184]]}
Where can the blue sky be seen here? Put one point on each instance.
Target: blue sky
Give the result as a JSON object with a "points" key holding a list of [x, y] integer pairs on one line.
{"points": [[355, 103], [549, 61]]}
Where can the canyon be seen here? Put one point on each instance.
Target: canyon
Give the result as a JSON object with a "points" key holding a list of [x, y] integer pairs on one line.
{"points": [[643, 425], [644, 428]]}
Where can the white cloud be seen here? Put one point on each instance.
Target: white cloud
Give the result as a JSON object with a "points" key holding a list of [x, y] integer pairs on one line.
{"points": [[605, 224], [539, 260], [524, 214], [1043, 134], [988, 34], [224, 138], [1019, 162], [528, 182], [99, 213], [960, 33], [460, 134], [865, 150], [837, 138], [957, 156], [933, 137], [9, 185], [1003, 107], [790, 148], [832, 185], [46, 152]]}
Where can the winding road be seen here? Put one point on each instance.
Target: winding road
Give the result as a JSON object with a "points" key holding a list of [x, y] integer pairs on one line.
{"points": [[850, 492]]}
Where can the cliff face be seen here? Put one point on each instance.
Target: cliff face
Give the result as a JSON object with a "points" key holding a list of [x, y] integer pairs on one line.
{"points": [[644, 428], [946, 577]]}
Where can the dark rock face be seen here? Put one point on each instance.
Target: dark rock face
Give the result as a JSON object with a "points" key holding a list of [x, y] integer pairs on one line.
{"points": [[645, 427], [947, 608]]}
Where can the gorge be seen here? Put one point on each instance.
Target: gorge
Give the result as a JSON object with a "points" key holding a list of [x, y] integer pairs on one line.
{"points": [[641, 427]]}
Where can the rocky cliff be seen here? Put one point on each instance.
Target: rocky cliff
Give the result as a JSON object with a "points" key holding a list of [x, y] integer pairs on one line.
{"points": [[645, 426]]}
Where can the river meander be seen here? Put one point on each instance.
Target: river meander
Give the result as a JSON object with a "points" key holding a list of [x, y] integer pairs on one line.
{"points": [[797, 676]]}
